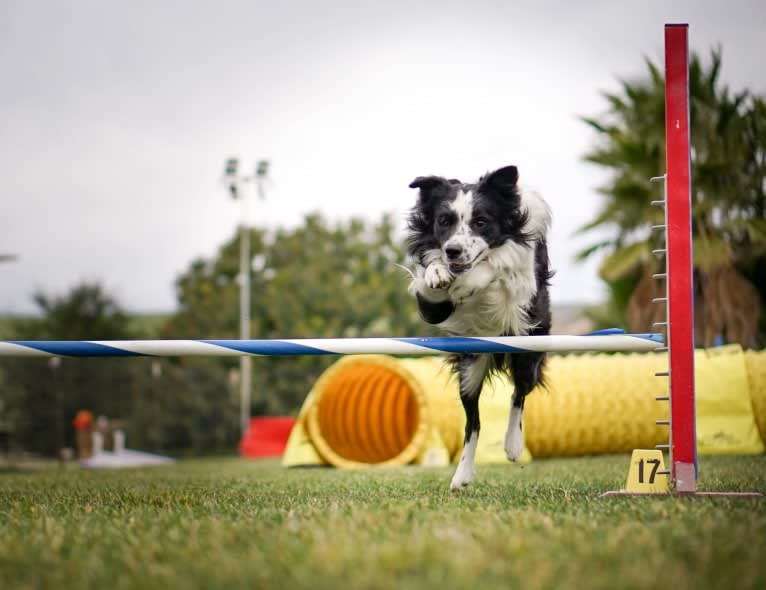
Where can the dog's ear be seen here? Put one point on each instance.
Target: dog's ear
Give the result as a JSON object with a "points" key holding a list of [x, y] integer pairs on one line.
{"points": [[430, 187], [502, 180]]}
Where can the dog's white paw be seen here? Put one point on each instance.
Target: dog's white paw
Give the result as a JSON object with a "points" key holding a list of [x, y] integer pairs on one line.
{"points": [[466, 469], [437, 276], [463, 475], [465, 285], [460, 291], [514, 436], [514, 443]]}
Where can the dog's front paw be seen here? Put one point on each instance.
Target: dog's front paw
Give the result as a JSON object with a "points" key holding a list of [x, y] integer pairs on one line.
{"points": [[437, 276], [460, 291], [465, 285], [514, 443], [514, 436], [463, 474]]}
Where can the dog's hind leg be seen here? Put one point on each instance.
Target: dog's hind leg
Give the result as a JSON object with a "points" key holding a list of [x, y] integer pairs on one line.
{"points": [[472, 369], [527, 372]]}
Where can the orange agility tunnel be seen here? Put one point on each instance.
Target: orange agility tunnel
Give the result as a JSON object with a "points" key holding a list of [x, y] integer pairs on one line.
{"points": [[377, 410]]}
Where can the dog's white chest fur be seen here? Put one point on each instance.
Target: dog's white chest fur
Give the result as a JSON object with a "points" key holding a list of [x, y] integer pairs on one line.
{"points": [[491, 299]]}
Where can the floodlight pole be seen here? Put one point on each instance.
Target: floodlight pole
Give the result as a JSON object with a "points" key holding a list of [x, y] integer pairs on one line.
{"points": [[234, 181], [245, 362]]}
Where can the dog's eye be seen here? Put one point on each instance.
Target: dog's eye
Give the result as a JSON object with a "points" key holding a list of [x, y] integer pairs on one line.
{"points": [[480, 222], [444, 220]]}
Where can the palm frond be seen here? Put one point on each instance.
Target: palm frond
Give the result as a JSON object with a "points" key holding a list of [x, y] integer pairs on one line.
{"points": [[624, 261], [597, 125], [586, 253], [711, 252]]}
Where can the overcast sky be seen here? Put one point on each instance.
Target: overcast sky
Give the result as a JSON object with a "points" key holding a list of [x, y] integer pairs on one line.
{"points": [[116, 119]]}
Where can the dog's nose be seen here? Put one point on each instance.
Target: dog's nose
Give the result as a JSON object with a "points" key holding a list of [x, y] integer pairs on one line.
{"points": [[453, 252]]}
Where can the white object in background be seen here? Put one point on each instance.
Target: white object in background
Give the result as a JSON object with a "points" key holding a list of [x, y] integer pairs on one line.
{"points": [[121, 457], [98, 443], [119, 441]]}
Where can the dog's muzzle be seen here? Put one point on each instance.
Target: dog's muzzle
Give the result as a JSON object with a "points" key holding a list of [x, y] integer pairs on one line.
{"points": [[456, 259]]}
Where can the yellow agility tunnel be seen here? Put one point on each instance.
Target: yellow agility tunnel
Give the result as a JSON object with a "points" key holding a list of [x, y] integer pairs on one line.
{"points": [[376, 410]]}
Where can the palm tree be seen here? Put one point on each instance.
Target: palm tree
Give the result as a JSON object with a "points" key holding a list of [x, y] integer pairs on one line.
{"points": [[728, 133]]}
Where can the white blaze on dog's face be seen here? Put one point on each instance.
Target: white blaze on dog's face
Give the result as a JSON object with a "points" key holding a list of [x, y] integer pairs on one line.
{"points": [[458, 229]]}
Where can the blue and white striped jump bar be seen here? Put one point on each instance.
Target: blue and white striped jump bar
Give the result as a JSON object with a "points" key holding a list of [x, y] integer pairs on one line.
{"points": [[604, 341]]}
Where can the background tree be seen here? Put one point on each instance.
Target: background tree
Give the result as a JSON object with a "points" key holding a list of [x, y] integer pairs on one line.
{"points": [[728, 175], [317, 280]]}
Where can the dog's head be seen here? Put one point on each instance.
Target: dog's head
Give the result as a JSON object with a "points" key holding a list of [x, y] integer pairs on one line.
{"points": [[465, 221]]}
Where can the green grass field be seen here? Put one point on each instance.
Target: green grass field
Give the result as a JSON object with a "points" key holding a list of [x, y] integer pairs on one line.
{"points": [[233, 523]]}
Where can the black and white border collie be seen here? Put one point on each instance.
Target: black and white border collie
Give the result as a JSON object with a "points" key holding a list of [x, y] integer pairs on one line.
{"points": [[482, 270]]}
